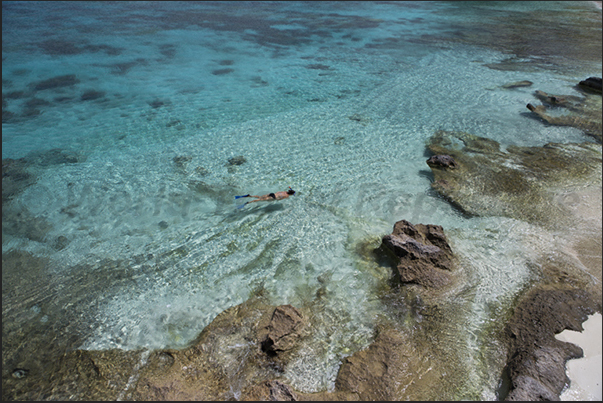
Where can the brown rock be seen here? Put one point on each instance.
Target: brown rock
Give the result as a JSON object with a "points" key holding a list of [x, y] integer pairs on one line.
{"points": [[283, 331], [423, 252], [536, 359], [442, 161]]}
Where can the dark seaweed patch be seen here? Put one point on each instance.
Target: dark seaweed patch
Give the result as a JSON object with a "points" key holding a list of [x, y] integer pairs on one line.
{"points": [[318, 66], [221, 72], [259, 82], [169, 51], [14, 95], [63, 99], [34, 102], [123, 68], [7, 117], [56, 82], [59, 47], [226, 62], [156, 104], [92, 95], [109, 50], [31, 112], [20, 72]]}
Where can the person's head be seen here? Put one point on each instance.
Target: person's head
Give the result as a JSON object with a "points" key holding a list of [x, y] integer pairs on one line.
{"points": [[290, 191]]}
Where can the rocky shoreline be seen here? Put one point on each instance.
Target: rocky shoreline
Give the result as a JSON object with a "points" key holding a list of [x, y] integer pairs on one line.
{"points": [[242, 353]]}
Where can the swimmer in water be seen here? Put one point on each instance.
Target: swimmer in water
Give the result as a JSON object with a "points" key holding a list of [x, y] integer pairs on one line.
{"points": [[268, 197]]}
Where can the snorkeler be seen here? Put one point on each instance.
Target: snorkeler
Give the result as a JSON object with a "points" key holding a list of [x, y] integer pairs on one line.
{"points": [[268, 197]]}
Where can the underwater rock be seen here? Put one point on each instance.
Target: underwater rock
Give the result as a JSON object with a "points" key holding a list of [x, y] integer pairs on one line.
{"points": [[20, 222], [221, 72], [60, 242], [91, 95], [585, 113], [536, 359], [424, 256], [54, 156], [519, 182], [15, 177], [181, 161], [517, 84], [591, 84], [238, 160], [156, 104], [56, 82], [7, 116]]}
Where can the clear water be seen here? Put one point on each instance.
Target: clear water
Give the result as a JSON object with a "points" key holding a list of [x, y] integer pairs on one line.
{"points": [[336, 100]]}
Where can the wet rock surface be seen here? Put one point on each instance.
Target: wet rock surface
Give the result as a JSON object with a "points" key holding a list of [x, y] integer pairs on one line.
{"points": [[518, 182], [425, 258], [536, 359], [591, 84], [583, 113], [227, 356]]}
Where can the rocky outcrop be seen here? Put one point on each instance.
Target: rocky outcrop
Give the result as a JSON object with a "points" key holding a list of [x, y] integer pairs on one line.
{"points": [[584, 112], [245, 345], [591, 84], [441, 162], [519, 182], [536, 359], [424, 256]]}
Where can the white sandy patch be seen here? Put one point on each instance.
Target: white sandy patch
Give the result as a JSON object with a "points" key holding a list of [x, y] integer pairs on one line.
{"points": [[584, 373]]}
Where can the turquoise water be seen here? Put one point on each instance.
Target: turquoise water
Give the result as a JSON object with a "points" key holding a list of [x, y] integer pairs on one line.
{"points": [[336, 100]]}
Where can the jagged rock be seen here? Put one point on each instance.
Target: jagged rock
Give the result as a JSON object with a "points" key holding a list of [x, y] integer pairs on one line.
{"points": [[283, 330], [281, 392], [592, 84], [536, 359], [441, 161], [425, 258]]}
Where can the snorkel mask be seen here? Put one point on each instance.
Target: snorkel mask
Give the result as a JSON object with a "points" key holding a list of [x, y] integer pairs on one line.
{"points": [[290, 191]]}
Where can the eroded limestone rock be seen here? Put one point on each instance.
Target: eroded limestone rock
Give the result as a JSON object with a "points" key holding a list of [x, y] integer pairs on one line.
{"points": [[519, 182], [536, 359], [245, 345], [584, 112], [425, 258]]}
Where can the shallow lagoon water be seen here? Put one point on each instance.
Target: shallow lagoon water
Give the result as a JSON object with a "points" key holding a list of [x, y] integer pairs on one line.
{"points": [[336, 100]]}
